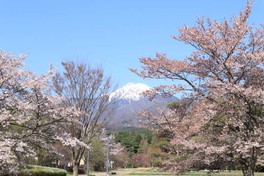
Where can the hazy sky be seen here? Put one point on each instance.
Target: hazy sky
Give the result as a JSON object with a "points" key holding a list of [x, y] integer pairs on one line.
{"points": [[113, 34]]}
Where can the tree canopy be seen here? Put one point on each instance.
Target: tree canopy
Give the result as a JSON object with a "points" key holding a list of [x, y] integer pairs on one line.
{"points": [[222, 83]]}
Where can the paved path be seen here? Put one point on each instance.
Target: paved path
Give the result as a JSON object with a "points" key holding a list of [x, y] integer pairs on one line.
{"points": [[123, 171], [104, 173], [118, 172]]}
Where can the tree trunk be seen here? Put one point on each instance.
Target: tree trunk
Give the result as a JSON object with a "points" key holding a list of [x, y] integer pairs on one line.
{"points": [[75, 168], [249, 164], [248, 171]]}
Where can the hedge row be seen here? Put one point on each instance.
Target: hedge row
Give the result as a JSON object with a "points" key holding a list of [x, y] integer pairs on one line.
{"points": [[41, 171]]}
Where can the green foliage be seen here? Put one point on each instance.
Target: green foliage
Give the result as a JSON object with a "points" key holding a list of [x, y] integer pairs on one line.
{"points": [[33, 170], [161, 143], [45, 158], [130, 165], [198, 139], [259, 112], [130, 140], [97, 155], [173, 105], [144, 147]]}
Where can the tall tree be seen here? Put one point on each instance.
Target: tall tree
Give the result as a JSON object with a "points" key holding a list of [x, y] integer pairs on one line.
{"points": [[29, 114], [86, 89], [222, 83], [11, 80]]}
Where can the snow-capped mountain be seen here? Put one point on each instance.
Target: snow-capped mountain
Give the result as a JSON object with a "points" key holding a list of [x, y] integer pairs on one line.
{"points": [[130, 92], [128, 101]]}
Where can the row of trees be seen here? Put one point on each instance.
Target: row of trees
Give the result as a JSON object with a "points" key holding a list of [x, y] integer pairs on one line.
{"points": [[54, 108], [221, 114]]}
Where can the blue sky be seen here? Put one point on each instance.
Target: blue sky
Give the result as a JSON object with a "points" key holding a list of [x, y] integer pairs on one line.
{"points": [[112, 34]]}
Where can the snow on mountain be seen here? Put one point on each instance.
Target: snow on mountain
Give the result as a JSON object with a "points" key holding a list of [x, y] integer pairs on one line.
{"points": [[128, 101], [129, 92]]}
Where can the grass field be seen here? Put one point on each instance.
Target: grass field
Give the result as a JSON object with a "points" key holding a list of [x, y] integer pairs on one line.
{"points": [[154, 172]]}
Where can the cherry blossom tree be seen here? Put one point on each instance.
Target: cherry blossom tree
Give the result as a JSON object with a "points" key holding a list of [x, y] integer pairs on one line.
{"points": [[222, 84], [30, 116], [87, 90], [13, 82]]}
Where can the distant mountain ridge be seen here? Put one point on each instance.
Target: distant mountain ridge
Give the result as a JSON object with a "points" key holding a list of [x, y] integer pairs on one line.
{"points": [[129, 100]]}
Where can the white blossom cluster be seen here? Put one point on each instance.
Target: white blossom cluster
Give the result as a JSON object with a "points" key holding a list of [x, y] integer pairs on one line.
{"points": [[29, 114]]}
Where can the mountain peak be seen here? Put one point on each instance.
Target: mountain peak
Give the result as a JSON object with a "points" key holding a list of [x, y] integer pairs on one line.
{"points": [[130, 92]]}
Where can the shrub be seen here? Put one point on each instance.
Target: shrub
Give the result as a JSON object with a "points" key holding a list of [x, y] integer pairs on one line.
{"points": [[81, 170], [259, 168], [156, 163], [41, 171], [130, 165]]}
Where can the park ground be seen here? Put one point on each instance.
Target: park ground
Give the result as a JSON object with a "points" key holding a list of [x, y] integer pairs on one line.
{"points": [[154, 172]]}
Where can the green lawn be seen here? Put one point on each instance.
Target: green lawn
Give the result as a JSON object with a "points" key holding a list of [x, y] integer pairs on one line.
{"points": [[144, 172], [154, 172], [225, 173]]}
